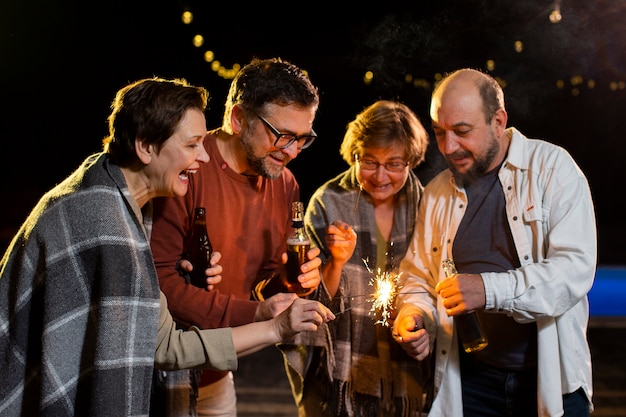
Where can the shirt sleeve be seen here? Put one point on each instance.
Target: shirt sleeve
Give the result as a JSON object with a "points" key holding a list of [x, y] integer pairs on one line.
{"points": [[192, 348]]}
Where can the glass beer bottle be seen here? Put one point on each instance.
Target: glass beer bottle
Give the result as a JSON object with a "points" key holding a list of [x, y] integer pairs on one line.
{"points": [[468, 324], [199, 248], [298, 244]]}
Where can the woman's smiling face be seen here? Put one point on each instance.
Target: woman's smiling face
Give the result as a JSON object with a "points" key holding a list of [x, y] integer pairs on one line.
{"points": [[378, 181], [180, 155]]}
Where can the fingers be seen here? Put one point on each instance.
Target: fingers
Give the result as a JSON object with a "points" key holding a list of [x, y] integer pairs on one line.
{"points": [[416, 344], [214, 272], [326, 314], [215, 257], [314, 311], [302, 315], [452, 297], [338, 232], [408, 336], [212, 281], [313, 262], [275, 305], [443, 285], [185, 265], [343, 228], [409, 329], [313, 253], [341, 240], [421, 350], [281, 297], [339, 224], [310, 277]]}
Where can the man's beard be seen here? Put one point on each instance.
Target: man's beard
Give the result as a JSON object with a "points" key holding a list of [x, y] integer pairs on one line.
{"points": [[481, 163], [258, 164]]}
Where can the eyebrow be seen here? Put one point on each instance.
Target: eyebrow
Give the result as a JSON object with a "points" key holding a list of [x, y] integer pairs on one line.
{"points": [[390, 159], [454, 126]]}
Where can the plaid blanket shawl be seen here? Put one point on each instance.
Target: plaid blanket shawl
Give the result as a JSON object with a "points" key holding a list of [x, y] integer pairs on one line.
{"points": [[364, 371], [79, 302]]}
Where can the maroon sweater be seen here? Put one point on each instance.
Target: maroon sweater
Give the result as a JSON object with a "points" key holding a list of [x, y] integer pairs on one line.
{"points": [[248, 220]]}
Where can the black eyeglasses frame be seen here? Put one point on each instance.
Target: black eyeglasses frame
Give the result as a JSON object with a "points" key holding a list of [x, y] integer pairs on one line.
{"points": [[289, 137]]}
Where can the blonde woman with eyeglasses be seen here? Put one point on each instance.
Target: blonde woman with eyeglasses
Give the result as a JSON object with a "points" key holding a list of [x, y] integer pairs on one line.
{"points": [[362, 221]]}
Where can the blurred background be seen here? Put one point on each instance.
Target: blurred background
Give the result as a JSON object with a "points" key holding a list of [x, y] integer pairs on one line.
{"points": [[562, 64]]}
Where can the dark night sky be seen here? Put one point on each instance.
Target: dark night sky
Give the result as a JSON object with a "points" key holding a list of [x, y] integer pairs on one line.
{"points": [[61, 63]]}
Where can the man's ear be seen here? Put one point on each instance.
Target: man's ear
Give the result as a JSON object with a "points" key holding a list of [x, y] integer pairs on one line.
{"points": [[144, 150], [237, 118], [500, 119]]}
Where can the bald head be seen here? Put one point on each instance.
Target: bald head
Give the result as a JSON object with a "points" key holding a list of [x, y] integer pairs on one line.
{"points": [[469, 121], [469, 85]]}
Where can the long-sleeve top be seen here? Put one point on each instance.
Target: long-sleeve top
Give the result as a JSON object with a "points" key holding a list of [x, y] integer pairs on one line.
{"points": [[367, 370], [248, 221], [551, 216], [194, 348], [81, 315]]}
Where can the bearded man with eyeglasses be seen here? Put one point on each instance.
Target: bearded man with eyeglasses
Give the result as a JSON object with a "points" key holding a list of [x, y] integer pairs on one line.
{"points": [[247, 192]]}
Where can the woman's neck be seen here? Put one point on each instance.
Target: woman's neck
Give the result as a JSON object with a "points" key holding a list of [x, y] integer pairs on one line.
{"points": [[384, 213]]}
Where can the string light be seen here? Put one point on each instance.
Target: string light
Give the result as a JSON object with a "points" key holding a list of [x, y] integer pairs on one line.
{"points": [[187, 17], [555, 14], [209, 55], [368, 78]]}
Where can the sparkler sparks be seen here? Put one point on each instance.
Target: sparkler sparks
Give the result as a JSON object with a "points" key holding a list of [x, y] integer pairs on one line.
{"points": [[386, 288]]}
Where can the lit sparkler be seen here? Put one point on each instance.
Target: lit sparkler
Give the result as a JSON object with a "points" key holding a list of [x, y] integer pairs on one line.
{"points": [[386, 288]]}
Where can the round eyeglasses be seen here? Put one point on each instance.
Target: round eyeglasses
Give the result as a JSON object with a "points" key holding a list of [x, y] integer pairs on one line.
{"points": [[370, 165], [284, 140]]}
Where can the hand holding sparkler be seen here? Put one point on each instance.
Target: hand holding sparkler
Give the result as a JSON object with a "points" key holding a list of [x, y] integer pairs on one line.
{"points": [[386, 288], [383, 297], [409, 332], [340, 240]]}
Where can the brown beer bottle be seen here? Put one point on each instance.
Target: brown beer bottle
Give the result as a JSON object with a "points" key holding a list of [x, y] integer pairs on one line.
{"points": [[198, 248], [468, 326], [298, 244]]}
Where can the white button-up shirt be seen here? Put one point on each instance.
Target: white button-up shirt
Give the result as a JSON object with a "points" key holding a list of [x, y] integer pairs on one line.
{"points": [[551, 215]]}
